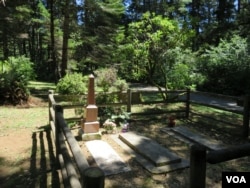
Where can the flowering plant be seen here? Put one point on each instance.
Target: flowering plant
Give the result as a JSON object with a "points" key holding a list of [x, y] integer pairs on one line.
{"points": [[109, 125]]}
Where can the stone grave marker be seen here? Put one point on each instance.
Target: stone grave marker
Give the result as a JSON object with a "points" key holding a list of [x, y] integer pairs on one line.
{"points": [[90, 128]]}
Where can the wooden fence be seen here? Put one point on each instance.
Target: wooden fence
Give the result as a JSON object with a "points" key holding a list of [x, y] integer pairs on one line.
{"points": [[82, 176], [199, 157], [131, 98], [64, 137], [244, 102]]}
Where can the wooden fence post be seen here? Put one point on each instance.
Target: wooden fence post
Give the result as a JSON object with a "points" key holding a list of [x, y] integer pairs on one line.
{"points": [[93, 177], [51, 92], [58, 109], [245, 131], [129, 99], [197, 177], [188, 103]]}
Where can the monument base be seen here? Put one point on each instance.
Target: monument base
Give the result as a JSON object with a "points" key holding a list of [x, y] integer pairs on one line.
{"points": [[90, 136], [91, 127]]}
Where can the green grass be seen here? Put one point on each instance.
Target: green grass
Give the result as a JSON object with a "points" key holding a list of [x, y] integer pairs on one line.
{"points": [[37, 87], [16, 118], [41, 85]]}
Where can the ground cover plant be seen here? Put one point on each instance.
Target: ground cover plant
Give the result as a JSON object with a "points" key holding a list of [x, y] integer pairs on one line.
{"points": [[27, 154]]}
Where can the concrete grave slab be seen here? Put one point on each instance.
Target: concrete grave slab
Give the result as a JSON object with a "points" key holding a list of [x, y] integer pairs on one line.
{"points": [[106, 158], [150, 149], [198, 138], [148, 164], [169, 131]]}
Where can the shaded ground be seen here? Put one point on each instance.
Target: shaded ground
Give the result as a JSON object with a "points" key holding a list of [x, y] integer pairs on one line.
{"points": [[27, 154], [26, 147]]}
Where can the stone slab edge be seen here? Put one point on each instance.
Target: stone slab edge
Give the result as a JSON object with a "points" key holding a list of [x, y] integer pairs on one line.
{"points": [[177, 136], [89, 136], [149, 165], [106, 157], [146, 154], [197, 138]]}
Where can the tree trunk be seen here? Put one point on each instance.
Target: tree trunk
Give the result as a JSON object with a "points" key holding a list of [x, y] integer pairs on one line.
{"points": [[64, 64], [5, 40], [52, 42]]}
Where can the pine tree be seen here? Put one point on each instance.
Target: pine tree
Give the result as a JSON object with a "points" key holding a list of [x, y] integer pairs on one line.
{"points": [[100, 22]]}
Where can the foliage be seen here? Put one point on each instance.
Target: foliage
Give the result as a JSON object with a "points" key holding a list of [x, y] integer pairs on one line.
{"points": [[108, 81], [153, 46], [226, 67], [106, 78], [72, 84], [121, 85], [120, 117], [140, 38], [14, 76], [101, 20], [183, 72]]}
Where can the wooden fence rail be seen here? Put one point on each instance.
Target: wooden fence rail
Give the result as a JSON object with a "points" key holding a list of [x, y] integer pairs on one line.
{"points": [[132, 97], [84, 176], [199, 157], [62, 133], [245, 112]]}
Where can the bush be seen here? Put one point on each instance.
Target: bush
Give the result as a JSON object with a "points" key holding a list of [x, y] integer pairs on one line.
{"points": [[226, 67], [108, 81], [121, 85], [72, 84], [106, 78], [15, 74]]}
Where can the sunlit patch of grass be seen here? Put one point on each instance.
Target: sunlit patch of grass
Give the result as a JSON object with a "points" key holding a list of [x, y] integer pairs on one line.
{"points": [[41, 85], [158, 108], [38, 88], [14, 118]]}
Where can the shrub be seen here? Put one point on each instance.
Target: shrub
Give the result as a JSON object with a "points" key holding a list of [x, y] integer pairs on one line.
{"points": [[107, 80], [72, 84], [15, 74], [226, 67], [121, 85]]}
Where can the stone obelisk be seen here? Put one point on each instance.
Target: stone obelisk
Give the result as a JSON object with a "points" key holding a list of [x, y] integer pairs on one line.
{"points": [[91, 125]]}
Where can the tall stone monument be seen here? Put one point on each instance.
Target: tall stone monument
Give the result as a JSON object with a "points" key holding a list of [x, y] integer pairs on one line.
{"points": [[90, 128]]}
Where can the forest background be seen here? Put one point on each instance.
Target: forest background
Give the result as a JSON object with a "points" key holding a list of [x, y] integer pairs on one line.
{"points": [[174, 44]]}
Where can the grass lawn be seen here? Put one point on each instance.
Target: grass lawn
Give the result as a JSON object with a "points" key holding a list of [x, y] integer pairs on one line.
{"points": [[37, 87]]}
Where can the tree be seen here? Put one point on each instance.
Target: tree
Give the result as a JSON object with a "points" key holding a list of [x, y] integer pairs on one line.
{"points": [[52, 42], [15, 26], [100, 23], [226, 67], [243, 18], [171, 9], [150, 47], [64, 64]]}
